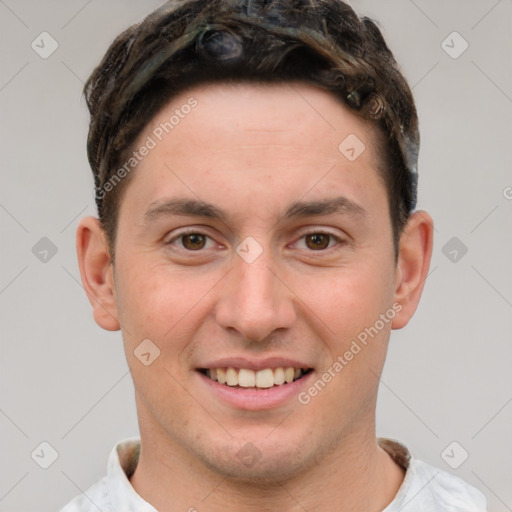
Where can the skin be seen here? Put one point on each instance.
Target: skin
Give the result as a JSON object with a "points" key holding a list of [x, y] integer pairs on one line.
{"points": [[253, 151]]}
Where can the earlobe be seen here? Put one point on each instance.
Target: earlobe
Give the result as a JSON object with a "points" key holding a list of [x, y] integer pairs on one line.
{"points": [[97, 272], [413, 264]]}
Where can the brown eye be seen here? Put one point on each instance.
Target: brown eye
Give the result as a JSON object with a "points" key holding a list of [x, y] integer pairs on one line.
{"points": [[193, 241], [317, 241]]}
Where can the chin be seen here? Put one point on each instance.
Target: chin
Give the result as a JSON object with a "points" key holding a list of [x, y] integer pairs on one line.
{"points": [[270, 468], [261, 460]]}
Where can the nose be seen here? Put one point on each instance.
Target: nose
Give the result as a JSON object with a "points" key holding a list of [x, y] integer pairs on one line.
{"points": [[255, 302]]}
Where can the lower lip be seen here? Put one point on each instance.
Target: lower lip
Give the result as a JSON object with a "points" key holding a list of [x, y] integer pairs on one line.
{"points": [[257, 399]]}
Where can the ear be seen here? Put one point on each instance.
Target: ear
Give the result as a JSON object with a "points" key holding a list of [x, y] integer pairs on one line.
{"points": [[97, 272], [413, 264]]}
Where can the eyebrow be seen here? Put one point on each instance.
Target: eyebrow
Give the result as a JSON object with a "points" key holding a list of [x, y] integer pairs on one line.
{"points": [[179, 206], [198, 208], [324, 207]]}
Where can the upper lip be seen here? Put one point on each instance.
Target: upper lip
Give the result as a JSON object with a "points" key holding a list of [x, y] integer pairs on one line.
{"points": [[255, 364]]}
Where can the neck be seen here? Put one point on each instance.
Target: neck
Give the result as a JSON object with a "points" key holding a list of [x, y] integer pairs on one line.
{"points": [[356, 475]]}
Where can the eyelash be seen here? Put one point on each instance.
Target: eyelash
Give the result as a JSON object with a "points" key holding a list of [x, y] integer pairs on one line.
{"points": [[188, 233], [338, 241]]}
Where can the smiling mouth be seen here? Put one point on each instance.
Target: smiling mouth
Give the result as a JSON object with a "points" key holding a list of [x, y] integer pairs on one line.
{"points": [[250, 379]]}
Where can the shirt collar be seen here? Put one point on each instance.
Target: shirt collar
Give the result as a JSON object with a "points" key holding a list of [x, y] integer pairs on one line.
{"points": [[121, 465]]}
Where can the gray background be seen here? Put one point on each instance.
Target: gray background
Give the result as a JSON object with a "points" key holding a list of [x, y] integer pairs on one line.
{"points": [[65, 381]]}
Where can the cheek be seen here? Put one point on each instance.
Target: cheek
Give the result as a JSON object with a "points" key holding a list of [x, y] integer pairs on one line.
{"points": [[165, 308], [349, 300], [349, 306], [162, 304]]}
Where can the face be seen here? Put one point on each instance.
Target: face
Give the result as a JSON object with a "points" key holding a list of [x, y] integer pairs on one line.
{"points": [[251, 249]]}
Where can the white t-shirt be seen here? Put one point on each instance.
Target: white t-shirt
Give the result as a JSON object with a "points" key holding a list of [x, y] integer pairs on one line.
{"points": [[424, 489]]}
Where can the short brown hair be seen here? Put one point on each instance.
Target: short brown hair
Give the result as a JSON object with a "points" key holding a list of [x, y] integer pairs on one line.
{"points": [[189, 42]]}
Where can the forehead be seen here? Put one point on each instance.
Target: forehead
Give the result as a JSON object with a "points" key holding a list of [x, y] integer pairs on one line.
{"points": [[253, 139], [293, 108]]}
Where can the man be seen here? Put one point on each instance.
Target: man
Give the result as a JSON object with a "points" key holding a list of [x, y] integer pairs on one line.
{"points": [[255, 172]]}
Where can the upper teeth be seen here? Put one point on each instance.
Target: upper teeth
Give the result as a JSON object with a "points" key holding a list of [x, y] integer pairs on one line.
{"points": [[246, 378]]}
